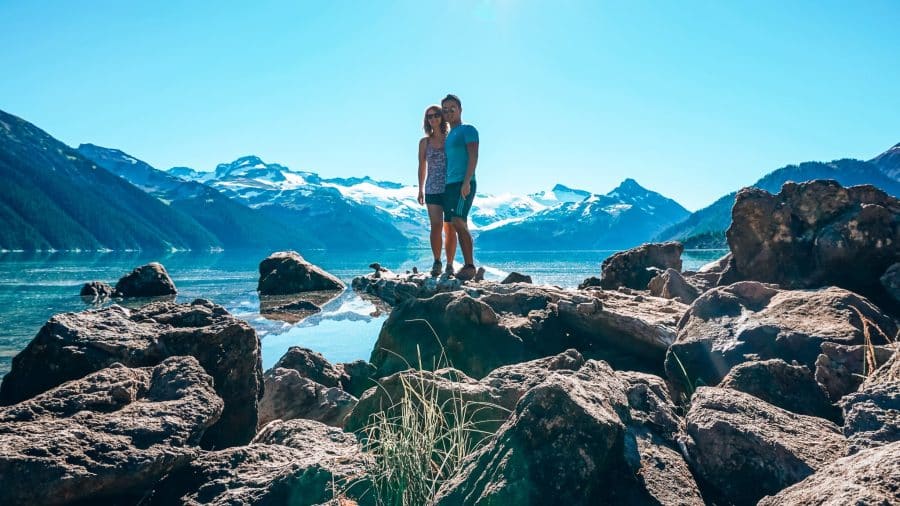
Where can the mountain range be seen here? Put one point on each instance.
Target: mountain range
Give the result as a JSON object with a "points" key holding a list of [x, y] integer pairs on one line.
{"points": [[96, 198]]}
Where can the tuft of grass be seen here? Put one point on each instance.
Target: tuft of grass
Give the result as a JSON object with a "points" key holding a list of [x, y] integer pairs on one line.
{"points": [[421, 440], [870, 363]]}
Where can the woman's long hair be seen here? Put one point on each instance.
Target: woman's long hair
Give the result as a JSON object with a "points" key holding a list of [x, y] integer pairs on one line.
{"points": [[445, 126]]}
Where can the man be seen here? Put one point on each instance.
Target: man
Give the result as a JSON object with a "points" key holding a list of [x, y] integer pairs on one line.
{"points": [[461, 147]]}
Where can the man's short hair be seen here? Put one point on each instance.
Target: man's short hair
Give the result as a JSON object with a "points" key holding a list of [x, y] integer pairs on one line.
{"points": [[454, 98]]}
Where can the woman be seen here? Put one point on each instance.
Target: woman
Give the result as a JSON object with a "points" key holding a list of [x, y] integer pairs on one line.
{"points": [[433, 162]]}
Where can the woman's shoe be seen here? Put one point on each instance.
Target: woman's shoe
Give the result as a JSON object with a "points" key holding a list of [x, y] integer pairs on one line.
{"points": [[436, 268], [449, 270]]}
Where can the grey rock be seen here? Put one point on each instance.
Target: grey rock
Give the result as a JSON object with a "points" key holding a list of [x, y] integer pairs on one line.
{"points": [[671, 285], [868, 477], [443, 385], [290, 395], [591, 282], [149, 280], [296, 462], [581, 437], [890, 280], [356, 377], [745, 448], [106, 437], [872, 414], [790, 387], [841, 369], [96, 291], [749, 321], [73, 345], [515, 277], [310, 364], [633, 268], [286, 272]]}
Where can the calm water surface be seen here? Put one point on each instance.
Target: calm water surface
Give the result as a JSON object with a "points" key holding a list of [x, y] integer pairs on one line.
{"points": [[34, 286]]}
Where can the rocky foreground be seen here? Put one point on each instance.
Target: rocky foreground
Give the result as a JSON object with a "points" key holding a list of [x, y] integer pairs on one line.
{"points": [[769, 377]]}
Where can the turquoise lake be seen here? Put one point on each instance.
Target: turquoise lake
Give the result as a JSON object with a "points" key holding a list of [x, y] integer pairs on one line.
{"points": [[35, 286]]}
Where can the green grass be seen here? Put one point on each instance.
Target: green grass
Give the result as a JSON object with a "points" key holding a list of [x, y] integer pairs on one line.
{"points": [[422, 439]]}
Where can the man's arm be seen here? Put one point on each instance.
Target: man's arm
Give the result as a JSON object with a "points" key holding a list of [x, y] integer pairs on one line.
{"points": [[472, 150]]}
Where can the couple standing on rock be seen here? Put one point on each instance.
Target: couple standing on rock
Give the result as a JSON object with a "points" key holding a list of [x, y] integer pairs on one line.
{"points": [[448, 155]]}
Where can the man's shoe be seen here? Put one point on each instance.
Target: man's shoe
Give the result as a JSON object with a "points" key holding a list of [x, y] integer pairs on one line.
{"points": [[449, 270], [436, 268], [466, 273]]}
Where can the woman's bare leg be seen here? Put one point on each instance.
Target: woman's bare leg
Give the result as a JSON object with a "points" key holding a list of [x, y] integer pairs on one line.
{"points": [[436, 219]]}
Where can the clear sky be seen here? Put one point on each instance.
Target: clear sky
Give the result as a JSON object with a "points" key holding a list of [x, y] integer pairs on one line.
{"points": [[691, 99]]}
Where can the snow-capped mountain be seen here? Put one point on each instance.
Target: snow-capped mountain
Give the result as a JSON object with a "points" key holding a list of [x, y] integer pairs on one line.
{"points": [[625, 217], [260, 185], [558, 195]]}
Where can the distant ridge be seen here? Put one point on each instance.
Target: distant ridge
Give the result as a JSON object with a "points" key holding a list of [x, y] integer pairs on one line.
{"points": [[706, 227], [53, 198]]}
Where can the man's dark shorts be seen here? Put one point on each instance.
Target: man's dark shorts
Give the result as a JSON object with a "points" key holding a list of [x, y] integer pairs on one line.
{"points": [[435, 198], [454, 205]]}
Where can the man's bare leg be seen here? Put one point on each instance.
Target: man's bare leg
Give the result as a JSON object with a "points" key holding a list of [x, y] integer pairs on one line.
{"points": [[465, 240]]}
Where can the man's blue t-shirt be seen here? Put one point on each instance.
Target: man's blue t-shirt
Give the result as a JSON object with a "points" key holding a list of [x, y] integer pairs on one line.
{"points": [[457, 156]]}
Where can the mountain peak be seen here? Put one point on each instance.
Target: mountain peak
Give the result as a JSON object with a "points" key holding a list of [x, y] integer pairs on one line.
{"points": [[628, 187]]}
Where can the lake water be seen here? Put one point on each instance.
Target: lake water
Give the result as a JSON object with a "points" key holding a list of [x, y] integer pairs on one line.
{"points": [[35, 286]]}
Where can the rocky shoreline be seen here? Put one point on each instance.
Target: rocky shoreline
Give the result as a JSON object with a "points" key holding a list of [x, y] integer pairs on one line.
{"points": [[771, 376]]}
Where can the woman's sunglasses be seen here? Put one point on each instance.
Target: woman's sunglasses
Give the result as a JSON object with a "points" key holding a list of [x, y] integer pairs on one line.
{"points": [[432, 116]]}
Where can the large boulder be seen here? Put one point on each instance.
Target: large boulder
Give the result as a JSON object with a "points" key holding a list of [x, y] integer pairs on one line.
{"points": [[869, 477], [286, 272], [73, 345], [872, 414], [790, 387], [745, 448], [289, 395], [151, 280], [296, 462], [590, 436], [635, 268], [479, 329], [107, 437], [749, 321], [816, 234]]}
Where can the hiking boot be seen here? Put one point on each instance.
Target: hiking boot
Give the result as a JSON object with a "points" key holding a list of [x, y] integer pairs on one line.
{"points": [[466, 273], [449, 270], [436, 268]]}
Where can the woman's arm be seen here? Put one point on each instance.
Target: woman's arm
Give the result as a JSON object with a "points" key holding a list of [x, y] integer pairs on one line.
{"points": [[421, 197]]}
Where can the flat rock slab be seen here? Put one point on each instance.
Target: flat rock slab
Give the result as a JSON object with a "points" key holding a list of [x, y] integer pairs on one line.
{"points": [[111, 434], [489, 325], [296, 462], [73, 345], [870, 477], [745, 448]]}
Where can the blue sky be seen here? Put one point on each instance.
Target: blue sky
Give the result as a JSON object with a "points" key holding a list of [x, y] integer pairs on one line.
{"points": [[691, 99]]}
